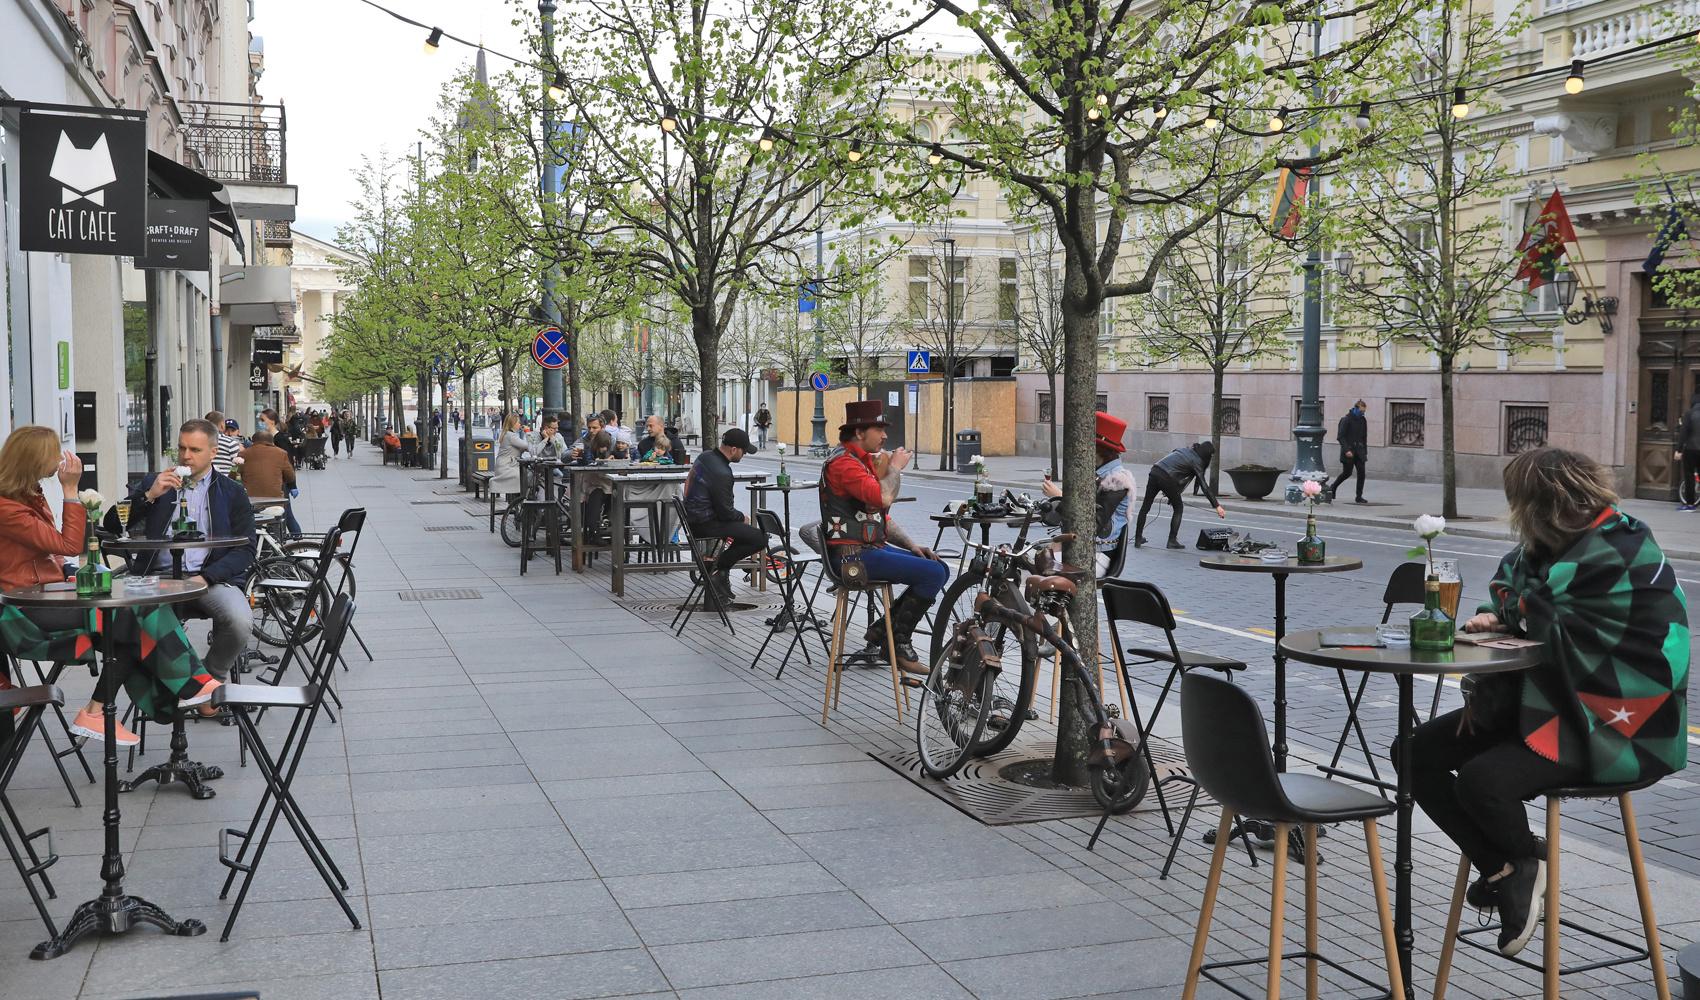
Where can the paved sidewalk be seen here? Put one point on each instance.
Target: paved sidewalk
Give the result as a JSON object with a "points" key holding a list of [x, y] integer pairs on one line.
{"points": [[539, 791]]}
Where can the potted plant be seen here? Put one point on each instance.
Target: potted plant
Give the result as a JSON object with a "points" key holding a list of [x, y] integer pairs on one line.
{"points": [[1254, 482]]}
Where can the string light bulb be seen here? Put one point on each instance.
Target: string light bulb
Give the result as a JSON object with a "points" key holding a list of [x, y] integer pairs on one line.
{"points": [[855, 154], [1460, 103], [1278, 120], [434, 40], [935, 156], [1574, 83], [558, 87], [1103, 100], [1093, 114], [766, 140], [669, 118], [1159, 111], [1362, 120], [1213, 118]]}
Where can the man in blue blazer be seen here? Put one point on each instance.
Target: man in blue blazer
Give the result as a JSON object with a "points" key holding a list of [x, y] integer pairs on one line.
{"points": [[220, 507]]}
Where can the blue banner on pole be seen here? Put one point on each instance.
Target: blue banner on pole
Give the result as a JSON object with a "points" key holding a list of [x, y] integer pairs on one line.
{"points": [[806, 296]]}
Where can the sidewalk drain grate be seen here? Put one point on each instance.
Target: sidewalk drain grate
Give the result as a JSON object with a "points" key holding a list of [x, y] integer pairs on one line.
{"points": [[421, 503], [980, 790], [440, 595], [659, 607], [448, 527]]}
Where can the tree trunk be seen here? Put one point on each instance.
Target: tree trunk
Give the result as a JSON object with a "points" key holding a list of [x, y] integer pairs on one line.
{"points": [[1448, 452], [395, 413], [466, 429], [1080, 460], [1216, 429], [572, 377], [507, 366], [1051, 383], [707, 342], [443, 431]]}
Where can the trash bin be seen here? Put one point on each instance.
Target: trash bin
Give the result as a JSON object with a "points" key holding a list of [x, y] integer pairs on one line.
{"points": [[967, 446], [1688, 963]]}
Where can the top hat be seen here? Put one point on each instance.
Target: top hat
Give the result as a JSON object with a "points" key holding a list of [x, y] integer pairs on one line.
{"points": [[863, 413], [1109, 431]]}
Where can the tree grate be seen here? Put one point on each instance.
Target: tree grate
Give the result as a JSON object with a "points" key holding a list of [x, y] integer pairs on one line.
{"points": [[449, 527], [980, 790], [440, 595], [423, 503], [651, 607]]}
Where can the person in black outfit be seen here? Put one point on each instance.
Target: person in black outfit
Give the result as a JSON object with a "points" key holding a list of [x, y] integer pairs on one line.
{"points": [[1169, 477], [1353, 434], [712, 513], [1688, 453]]}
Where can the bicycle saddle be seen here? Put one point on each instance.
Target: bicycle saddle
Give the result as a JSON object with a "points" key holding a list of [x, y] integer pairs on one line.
{"points": [[1049, 584]]}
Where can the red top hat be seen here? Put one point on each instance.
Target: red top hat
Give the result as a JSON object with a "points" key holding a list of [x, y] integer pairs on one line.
{"points": [[1110, 430], [863, 413]]}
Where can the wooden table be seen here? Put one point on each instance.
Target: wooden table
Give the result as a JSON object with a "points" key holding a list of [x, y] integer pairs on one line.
{"points": [[1280, 571], [1403, 663], [582, 480], [114, 911], [619, 481]]}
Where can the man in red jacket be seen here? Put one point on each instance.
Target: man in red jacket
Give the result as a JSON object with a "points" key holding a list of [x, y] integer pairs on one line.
{"points": [[859, 482]]}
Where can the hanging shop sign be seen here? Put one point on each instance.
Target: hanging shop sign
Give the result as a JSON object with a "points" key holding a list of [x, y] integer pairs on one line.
{"points": [[268, 352], [178, 235], [83, 184], [257, 377]]}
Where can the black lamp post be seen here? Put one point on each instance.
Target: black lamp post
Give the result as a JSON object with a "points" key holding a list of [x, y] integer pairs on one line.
{"points": [[945, 452]]}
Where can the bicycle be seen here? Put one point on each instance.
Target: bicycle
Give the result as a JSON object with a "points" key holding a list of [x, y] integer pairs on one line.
{"points": [[277, 583], [959, 694]]}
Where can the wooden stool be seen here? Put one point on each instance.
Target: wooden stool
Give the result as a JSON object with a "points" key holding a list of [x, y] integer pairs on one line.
{"points": [[842, 614], [1549, 966]]}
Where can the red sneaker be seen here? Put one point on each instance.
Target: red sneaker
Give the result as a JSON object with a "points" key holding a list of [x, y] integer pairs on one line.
{"points": [[93, 727], [202, 696]]}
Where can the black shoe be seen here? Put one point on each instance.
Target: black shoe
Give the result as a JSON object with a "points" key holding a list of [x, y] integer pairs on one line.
{"points": [[721, 581], [1522, 899], [1482, 894], [1361, 500], [1175, 545], [1138, 541]]}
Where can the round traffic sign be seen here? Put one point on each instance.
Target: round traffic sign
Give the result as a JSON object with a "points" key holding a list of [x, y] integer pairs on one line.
{"points": [[549, 348], [819, 381]]}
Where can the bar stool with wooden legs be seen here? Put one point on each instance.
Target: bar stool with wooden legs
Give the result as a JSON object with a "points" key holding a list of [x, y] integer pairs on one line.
{"points": [[843, 615], [1227, 749], [1550, 966]]}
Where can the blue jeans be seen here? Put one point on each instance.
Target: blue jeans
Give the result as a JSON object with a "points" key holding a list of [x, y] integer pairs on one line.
{"points": [[890, 564]]}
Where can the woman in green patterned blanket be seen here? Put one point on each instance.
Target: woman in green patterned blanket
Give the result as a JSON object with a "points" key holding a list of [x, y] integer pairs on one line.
{"points": [[1608, 704], [31, 544]]}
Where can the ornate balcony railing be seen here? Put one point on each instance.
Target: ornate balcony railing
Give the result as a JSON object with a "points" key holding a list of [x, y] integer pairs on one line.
{"points": [[239, 142], [1619, 28]]}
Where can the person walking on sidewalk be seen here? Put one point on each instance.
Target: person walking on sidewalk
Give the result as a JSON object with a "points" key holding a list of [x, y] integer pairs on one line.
{"points": [[1169, 477], [764, 420], [1688, 454], [1353, 435], [858, 485], [714, 514]]}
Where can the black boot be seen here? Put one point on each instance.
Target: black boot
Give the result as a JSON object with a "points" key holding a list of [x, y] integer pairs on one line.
{"points": [[907, 613]]}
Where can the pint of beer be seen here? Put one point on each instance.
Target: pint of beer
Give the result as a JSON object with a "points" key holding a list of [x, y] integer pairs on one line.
{"points": [[1451, 587]]}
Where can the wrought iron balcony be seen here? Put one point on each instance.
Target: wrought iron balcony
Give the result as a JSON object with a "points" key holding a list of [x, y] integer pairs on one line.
{"points": [[239, 142], [276, 233]]}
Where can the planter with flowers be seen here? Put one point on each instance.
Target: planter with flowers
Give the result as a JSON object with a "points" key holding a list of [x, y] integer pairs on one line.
{"points": [[1313, 551], [783, 480], [1432, 628], [93, 578]]}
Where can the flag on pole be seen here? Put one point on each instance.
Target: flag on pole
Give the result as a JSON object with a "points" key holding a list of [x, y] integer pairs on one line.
{"points": [[1543, 243], [1672, 231], [1290, 188], [807, 292]]}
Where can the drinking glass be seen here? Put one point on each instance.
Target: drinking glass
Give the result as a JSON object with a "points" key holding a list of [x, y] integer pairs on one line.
{"points": [[123, 507], [1451, 586]]}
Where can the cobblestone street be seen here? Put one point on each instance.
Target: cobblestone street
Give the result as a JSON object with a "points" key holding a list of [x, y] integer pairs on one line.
{"points": [[537, 790]]}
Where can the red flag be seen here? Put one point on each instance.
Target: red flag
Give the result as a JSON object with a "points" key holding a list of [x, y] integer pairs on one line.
{"points": [[1284, 215], [1543, 243]]}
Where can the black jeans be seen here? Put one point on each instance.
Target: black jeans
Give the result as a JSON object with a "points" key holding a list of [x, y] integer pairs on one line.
{"points": [[1355, 464], [1160, 482], [1686, 491], [1473, 784], [747, 540]]}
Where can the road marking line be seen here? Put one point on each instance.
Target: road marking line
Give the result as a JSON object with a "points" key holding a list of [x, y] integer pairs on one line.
{"points": [[1264, 631]]}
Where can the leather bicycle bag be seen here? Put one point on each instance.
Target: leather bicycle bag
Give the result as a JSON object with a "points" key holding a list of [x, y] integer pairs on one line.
{"points": [[851, 569], [972, 653]]}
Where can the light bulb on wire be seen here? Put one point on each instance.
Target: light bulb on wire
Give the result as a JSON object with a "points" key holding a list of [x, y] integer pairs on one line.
{"points": [[935, 156], [433, 41], [1362, 120], [1278, 120], [766, 140], [1574, 83], [669, 118], [855, 154], [558, 87], [1460, 103], [1213, 118]]}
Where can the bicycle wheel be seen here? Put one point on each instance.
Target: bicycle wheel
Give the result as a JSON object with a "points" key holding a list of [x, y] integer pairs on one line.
{"points": [[1120, 787], [339, 578], [1012, 697], [278, 607], [949, 719], [510, 527]]}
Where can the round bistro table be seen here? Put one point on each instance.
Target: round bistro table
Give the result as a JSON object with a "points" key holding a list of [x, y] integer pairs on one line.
{"points": [[1404, 663], [114, 911], [1280, 571]]}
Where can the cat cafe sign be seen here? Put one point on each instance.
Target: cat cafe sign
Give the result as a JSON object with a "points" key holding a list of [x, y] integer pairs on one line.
{"points": [[83, 183]]}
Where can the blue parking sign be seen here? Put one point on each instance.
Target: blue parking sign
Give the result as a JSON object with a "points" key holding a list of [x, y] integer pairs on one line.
{"points": [[920, 362], [819, 381]]}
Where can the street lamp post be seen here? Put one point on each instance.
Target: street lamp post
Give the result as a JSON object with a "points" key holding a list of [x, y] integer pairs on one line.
{"points": [[1307, 436], [817, 436], [945, 454], [553, 391]]}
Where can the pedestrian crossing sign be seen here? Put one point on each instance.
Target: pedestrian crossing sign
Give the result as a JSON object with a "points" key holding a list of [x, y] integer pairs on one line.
{"points": [[920, 362]]}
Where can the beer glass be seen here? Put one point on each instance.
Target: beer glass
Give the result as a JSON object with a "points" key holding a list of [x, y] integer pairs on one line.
{"points": [[1451, 587]]}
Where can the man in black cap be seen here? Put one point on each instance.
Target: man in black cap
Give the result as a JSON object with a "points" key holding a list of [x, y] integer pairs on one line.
{"points": [[859, 483], [712, 513]]}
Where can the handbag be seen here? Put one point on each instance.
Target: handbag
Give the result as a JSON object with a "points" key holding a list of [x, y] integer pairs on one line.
{"points": [[1491, 702]]}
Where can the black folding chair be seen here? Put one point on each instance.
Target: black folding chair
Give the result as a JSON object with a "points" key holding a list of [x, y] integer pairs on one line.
{"points": [[34, 702], [790, 584], [73, 745], [701, 578], [316, 594], [245, 702], [1404, 586]]}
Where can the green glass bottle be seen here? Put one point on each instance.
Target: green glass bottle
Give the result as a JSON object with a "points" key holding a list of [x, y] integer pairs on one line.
{"points": [[1431, 628], [93, 578], [783, 480], [185, 526], [1313, 551]]}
